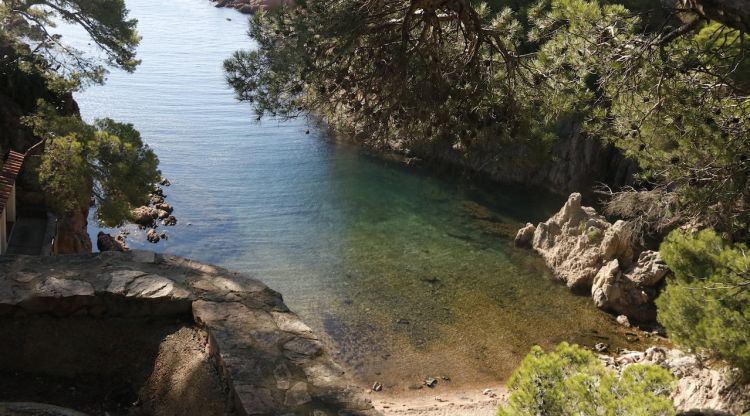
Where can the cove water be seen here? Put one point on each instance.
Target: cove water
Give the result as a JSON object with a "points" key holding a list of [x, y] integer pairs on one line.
{"points": [[405, 274]]}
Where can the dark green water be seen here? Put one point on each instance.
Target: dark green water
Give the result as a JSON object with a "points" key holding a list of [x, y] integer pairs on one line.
{"points": [[406, 274]]}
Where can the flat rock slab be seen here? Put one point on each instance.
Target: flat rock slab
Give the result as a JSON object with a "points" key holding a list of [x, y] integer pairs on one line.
{"points": [[273, 361]]}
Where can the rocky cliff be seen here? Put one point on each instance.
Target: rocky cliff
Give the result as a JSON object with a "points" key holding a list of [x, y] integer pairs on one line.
{"points": [[251, 6], [576, 162]]}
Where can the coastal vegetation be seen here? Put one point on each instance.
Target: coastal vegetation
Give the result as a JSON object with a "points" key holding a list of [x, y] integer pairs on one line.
{"points": [[40, 70], [572, 381], [705, 304], [668, 87]]}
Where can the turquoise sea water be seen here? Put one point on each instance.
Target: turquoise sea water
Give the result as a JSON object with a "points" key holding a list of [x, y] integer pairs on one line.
{"points": [[406, 273]]}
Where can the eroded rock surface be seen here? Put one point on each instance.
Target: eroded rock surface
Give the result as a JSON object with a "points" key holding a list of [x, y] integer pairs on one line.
{"points": [[701, 389], [589, 253], [272, 362]]}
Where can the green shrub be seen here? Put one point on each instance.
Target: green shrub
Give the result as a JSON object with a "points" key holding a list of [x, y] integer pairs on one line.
{"points": [[706, 304], [572, 381]]}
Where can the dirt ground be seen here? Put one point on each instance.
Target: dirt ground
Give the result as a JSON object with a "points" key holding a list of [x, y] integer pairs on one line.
{"points": [[116, 367], [463, 401], [185, 381]]}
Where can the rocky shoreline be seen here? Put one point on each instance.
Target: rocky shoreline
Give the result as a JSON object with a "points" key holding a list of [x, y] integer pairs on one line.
{"points": [[157, 212], [592, 255]]}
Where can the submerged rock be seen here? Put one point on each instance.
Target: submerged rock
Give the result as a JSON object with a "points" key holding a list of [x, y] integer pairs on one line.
{"points": [[589, 253]]}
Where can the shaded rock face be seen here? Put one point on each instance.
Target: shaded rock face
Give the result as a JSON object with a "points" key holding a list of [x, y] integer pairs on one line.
{"points": [[251, 6], [701, 388], [589, 253], [575, 163], [72, 235]]}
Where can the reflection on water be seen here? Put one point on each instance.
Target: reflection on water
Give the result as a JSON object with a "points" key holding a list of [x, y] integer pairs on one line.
{"points": [[407, 274]]}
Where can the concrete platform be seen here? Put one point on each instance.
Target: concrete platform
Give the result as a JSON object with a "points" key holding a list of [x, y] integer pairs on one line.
{"points": [[27, 237]]}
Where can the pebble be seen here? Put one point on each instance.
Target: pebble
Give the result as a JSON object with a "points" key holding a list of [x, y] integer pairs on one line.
{"points": [[377, 386], [430, 382], [601, 347], [624, 321]]}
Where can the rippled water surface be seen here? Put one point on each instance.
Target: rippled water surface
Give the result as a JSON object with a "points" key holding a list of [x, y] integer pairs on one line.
{"points": [[407, 274]]}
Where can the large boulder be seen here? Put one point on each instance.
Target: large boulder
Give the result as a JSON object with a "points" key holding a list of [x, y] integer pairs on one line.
{"points": [[590, 254], [630, 292], [145, 215]]}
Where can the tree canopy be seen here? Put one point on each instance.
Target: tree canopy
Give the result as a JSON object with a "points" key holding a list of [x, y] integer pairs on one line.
{"points": [[28, 26], [492, 81], [705, 303]]}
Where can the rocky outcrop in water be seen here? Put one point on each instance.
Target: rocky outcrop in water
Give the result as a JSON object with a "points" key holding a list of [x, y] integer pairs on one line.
{"points": [[157, 212], [589, 253], [701, 388]]}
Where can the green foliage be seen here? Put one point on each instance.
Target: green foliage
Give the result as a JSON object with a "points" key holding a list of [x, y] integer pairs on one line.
{"points": [[706, 302], [39, 72], [108, 157], [27, 26], [675, 104], [572, 381]]}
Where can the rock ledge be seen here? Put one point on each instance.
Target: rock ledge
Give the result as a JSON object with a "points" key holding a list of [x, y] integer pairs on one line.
{"points": [[273, 362]]}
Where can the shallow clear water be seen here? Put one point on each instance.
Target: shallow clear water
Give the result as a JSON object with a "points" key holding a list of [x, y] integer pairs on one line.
{"points": [[407, 274]]}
